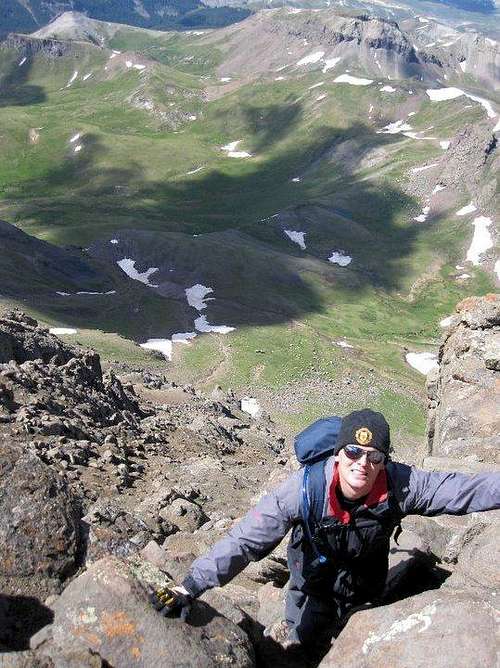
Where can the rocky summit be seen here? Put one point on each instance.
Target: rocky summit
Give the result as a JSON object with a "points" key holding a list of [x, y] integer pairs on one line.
{"points": [[112, 481]]}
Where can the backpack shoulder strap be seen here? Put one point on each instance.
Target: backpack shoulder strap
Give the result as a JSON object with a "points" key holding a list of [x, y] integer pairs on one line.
{"points": [[313, 494]]}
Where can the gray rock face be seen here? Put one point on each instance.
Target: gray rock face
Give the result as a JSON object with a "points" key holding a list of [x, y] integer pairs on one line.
{"points": [[106, 610], [438, 628], [464, 419], [38, 526]]}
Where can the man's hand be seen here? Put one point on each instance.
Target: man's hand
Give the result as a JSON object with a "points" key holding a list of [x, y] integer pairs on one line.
{"points": [[172, 601]]}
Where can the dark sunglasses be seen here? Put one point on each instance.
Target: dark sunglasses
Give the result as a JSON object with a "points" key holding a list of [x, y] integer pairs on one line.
{"points": [[355, 452]]}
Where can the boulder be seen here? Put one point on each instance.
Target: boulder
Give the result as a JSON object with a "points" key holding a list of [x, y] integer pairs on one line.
{"points": [[106, 610], [39, 531], [184, 514], [439, 628]]}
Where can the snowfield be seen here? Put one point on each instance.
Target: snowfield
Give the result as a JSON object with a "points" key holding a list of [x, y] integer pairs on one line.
{"points": [[128, 266], [481, 241], [297, 237], [202, 325], [340, 258], [197, 296], [353, 81], [423, 362]]}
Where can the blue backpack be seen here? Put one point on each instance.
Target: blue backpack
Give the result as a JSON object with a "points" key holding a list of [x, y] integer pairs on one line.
{"points": [[313, 446]]}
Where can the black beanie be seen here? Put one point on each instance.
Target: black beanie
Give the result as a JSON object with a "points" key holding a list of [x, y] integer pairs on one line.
{"points": [[364, 427]]}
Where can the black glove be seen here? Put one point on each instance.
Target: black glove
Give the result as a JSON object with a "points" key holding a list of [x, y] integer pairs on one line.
{"points": [[172, 601]]}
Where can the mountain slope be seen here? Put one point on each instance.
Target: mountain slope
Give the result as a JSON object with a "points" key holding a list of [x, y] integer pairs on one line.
{"points": [[28, 15], [276, 201]]}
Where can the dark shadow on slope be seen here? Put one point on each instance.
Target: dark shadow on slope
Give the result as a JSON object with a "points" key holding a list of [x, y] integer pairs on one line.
{"points": [[14, 89], [258, 275], [272, 123]]}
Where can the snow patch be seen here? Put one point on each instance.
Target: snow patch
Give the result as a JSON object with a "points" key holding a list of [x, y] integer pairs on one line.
{"points": [[465, 210], [353, 81], [197, 296], [423, 362], [320, 97], [344, 344], [387, 89], [73, 77], [250, 405], [183, 337], [316, 85], [440, 94], [446, 322], [438, 188], [62, 330], [225, 79], [445, 144], [297, 237], [202, 325], [423, 216], [75, 137], [416, 170], [395, 128], [163, 346], [78, 148], [22, 61], [314, 57], [481, 241], [496, 269], [340, 258], [113, 241], [128, 266], [232, 153], [195, 171], [463, 65], [87, 76]]}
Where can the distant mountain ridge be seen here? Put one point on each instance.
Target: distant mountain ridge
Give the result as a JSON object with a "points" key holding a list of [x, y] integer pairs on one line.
{"points": [[29, 15]]}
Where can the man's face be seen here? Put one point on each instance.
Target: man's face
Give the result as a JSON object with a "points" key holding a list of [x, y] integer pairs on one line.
{"points": [[357, 476]]}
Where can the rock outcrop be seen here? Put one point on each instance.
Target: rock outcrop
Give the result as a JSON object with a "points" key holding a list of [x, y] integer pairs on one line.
{"points": [[464, 394]]}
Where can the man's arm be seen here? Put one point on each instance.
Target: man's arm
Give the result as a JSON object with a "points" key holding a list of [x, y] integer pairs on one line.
{"points": [[255, 536], [435, 493]]}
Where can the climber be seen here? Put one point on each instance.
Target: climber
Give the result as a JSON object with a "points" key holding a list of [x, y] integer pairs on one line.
{"points": [[339, 547]]}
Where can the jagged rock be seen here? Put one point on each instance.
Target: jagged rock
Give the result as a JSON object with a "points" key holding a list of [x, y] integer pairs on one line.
{"points": [[478, 562], [110, 529], [464, 416], [106, 610], [21, 339], [438, 628], [39, 534]]}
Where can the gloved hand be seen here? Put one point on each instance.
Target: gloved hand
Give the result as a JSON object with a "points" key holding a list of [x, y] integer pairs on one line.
{"points": [[175, 600]]}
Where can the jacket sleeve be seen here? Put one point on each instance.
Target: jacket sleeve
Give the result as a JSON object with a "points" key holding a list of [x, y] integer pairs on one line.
{"points": [[432, 493], [255, 536]]}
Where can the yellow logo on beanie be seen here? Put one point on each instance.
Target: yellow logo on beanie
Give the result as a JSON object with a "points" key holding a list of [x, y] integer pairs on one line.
{"points": [[364, 436]]}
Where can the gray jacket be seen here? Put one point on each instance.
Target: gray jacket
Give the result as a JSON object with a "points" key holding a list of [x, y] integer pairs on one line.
{"points": [[417, 492]]}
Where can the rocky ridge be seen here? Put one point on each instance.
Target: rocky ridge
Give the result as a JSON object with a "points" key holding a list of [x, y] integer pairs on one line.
{"points": [[135, 476]]}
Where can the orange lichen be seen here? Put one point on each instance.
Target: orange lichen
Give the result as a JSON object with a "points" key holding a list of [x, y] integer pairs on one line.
{"points": [[117, 624], [136, 652]]}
